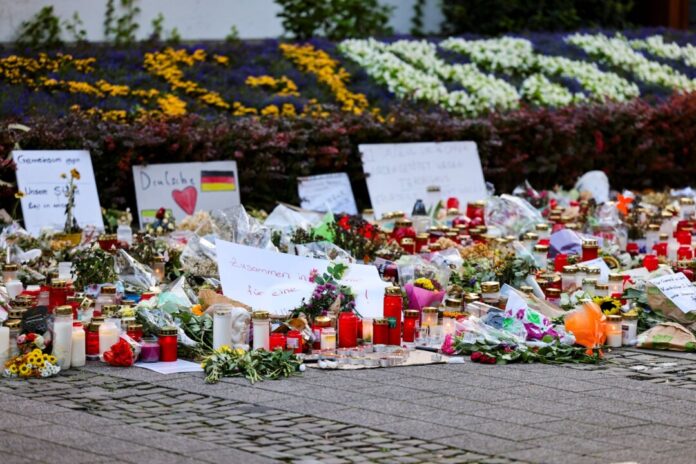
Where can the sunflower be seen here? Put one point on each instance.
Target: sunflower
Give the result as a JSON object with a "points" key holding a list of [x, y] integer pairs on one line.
{"points": [[13, 369], [608, 305], [24, 370], [52, 359]]}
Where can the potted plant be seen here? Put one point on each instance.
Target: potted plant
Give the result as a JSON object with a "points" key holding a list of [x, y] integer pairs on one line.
{"points": [[72, 232]]}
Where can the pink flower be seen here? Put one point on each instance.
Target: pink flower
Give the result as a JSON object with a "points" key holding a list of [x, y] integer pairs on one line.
{"points": [[448, 345], [313, 275]]}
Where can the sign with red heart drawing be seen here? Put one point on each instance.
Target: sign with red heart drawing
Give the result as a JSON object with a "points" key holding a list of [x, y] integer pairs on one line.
{"points": [[184, 188]]}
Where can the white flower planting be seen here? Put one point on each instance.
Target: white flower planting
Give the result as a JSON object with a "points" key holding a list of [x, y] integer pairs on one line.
{"points": [[413, 70], [616, 51], [487, 92], [656, 45], [539, 90], [516, 57]]}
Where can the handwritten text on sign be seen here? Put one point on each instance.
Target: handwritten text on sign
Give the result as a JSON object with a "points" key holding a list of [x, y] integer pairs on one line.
{"points": [[679, 290], [184, 188], [278, 282], [39, 178], [327, 192], [399, 174]]}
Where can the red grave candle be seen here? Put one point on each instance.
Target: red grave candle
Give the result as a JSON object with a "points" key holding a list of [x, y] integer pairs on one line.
{"points": [[168, 344], [393, 307], [411, 317], [347, 329], [380, 332]]}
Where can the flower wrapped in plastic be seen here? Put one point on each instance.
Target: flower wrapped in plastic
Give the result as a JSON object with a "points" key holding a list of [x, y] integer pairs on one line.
{"points": [[132, 273], [121, 354], [511, 215], [423, 281]]}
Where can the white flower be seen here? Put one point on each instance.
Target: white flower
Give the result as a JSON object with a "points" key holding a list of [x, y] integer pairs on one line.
{"points": [[617, 52], [656, 45]]}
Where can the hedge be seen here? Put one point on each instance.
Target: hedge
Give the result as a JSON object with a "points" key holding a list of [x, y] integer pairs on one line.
{"points": [[637, 144]]}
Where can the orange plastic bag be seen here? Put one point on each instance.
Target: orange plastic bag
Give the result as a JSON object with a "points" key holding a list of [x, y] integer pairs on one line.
{"points": [[588, 324]]}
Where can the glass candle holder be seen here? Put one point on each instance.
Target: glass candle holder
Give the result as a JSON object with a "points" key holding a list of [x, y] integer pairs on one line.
{"points": [[590, 249], [328, 339], [380, 334], [601, 289], [319, 324], [429, 315], [158, 264], [294, 341], [613, 330], [168, 343], [277, 340], [615, 284], [588, 285], [261, 330], [629, 330], [490, 292], [367, 331], [411, 317], [568, 283], [149, 350], [541, 253], [9, 272]]}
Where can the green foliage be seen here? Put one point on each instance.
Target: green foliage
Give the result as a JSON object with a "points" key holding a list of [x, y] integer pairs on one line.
{"points": [[417, 19], [500, 16], [157, 28], [233, 36], [76, 28], [41, 31], [253, 365], [121, 29], [93, 266], [174, 37], [554, 353], [335, 19]]}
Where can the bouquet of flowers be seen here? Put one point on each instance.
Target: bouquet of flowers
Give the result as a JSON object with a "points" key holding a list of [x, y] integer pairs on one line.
{"points": [[423, 281], [123, 353], [34, 364], [254, 365], [329, 296], [30, 342]]}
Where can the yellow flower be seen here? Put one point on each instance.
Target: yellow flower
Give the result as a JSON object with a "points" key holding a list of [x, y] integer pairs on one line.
{"points": [[75, 174], [24, 370], [37, 352], [424, 283], [13, 369], [52, 359], [239, 352], [19, 195]]}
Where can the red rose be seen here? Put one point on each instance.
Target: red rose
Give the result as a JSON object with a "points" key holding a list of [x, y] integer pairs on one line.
{"points": [[120, 354], [476, 356], [160, 213], [31, 337]]}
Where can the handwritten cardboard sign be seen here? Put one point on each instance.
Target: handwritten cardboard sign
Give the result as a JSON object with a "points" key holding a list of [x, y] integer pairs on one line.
{"points": [[184, 188], [39, 178], [278, 282], [679, 290], [399, 174], [327, 192]]}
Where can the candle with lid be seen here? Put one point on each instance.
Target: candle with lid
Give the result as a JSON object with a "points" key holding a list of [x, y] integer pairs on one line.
{"points": [[277, 340], [544, 232], [588, 285], [158, 263], [568, 283], [261, 329], [393, 308], [62, 335], [9, 272], [613, 330], [411, 317], [168, 341], [78, 348], [92, 340], [541, 253], [57, 293], [328, 339], [222, 328], [590, 249], [149, 350], [615, 284], [4, 345], [553, 295], [490, 292], [380, 335], [601, 289], [430, 314], [320, 323], [294, 341]]}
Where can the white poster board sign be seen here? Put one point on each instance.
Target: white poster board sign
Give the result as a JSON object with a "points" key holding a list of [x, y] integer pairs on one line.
{"points": [[39, 178], [184, 188], [277, 282], [327, 192], [679, 290], [399, 174]]}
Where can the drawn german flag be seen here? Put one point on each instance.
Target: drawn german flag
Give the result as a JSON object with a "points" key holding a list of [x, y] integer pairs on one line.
{"points": [[217, 181]]}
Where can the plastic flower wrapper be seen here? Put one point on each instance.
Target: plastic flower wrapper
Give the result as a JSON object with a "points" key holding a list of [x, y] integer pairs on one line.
{"points": [[153, 318], [511, 215], [137, 276], [181, 288], [588, 324], [235, 225], [423, 281], [473, 330], [285, 219], [607, 224], [536, 325], [123, 353], [449, 257], [323, 250], [199, 257]]}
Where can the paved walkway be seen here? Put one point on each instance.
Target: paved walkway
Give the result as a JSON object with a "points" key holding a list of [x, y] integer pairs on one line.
{"points": [[641, 408]]}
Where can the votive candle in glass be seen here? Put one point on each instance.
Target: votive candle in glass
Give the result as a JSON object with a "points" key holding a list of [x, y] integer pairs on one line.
{"points": [[410, 322], [367, 331], [613, 331], [168, 341], [149, 350]]}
